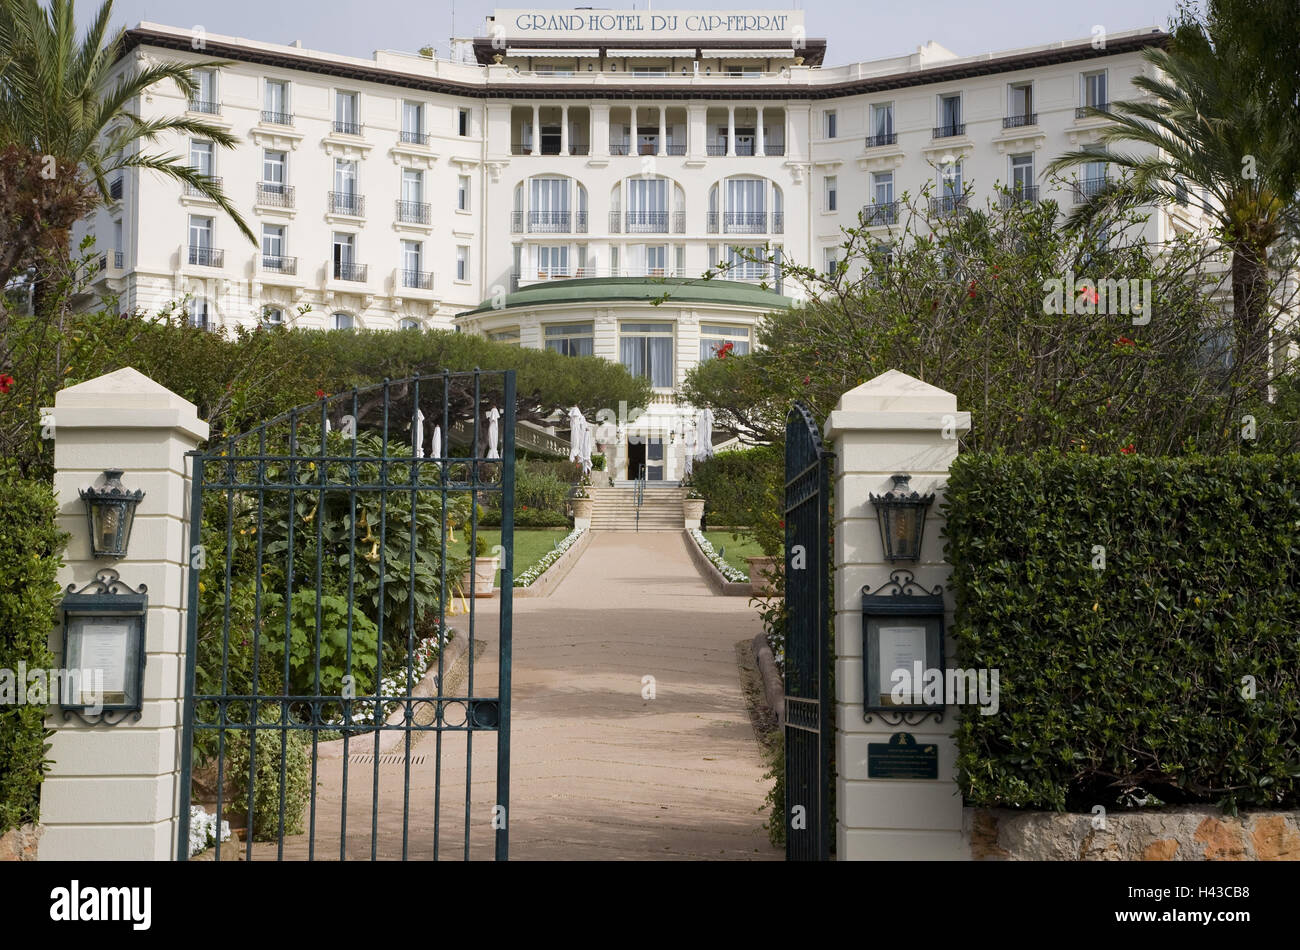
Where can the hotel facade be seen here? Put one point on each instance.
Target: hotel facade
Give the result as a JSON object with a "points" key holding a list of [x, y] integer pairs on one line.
{"points": [[566, 179]]}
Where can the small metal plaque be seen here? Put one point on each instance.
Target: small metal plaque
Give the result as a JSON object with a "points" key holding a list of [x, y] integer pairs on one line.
{"points": [[902, 757]]}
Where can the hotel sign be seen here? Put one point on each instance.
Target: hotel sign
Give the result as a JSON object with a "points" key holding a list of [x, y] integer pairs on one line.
{"points": [[649, 24]]}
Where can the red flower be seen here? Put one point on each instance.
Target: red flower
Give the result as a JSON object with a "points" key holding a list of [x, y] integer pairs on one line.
{"points": [[1128, 449], [523, 507], [1090, 294], [805, 380], [6, 383], [1124, 341], [320, 394], [972, 288], [782, 522]]}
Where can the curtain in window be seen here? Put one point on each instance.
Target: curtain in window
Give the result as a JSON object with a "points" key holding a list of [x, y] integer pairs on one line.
{"points": [[885, 120], [632, 354], [746, 195], [661, 361]]}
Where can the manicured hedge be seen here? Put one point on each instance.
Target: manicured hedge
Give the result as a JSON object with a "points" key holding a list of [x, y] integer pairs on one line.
{"points": [[735, 484], [31, 549], [1127, 681]]}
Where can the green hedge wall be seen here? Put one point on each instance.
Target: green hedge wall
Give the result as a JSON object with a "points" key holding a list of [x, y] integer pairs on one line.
{"points": [[31, 551], [1129, 681], [735, 484]]}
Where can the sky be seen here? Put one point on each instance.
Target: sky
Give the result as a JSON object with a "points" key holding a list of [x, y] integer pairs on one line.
{"points": [[855, 30]]}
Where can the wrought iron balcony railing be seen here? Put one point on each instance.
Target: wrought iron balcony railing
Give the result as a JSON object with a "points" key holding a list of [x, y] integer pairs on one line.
{"points": [[949, 204], [884, 138], [277, 118], [647, 222], [346, 270], [279, 264], [620, 148], [1022, 194], [202, 256], [115, 189], [716, 148], [778, 222], [744, 222], [1082, 112], [417, 279], [416, 138], [192, 191], [348, 128], [676, 148], [1018, 121], [549, 222], [414, 212], [118, 257], [1086, 188], [206, 106], [885, 212], [345, 202], [275, 195], [948, 131]]}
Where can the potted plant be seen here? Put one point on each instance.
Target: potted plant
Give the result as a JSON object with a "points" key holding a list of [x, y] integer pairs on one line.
{"points": [[692, 503], [582, 500], [485, 570]]}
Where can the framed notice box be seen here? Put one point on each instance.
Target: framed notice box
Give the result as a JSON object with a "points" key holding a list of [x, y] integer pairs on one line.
{"points": [[902, 639], [103, 650]]}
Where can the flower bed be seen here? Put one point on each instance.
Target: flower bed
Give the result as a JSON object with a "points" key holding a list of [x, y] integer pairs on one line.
{"points": [[203, 830], [725, 569], [422, 660], [524, 578]]}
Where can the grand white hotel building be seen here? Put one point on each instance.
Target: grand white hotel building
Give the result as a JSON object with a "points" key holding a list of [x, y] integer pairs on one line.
{"points": [[572, 167]]}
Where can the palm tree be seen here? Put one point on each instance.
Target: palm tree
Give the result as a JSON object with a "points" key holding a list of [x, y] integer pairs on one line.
{"points": [[1207, 127], [60, 112]]}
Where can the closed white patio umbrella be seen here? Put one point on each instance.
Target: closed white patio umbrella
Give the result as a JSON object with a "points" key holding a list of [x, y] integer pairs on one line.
{"points": [[437, 442], [493, 415], [417, 434], [576, 423]]}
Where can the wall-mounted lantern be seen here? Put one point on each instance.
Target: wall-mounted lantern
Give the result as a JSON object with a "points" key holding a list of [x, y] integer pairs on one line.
{"points": [[110, 512], [103, 650], [902, 519]]}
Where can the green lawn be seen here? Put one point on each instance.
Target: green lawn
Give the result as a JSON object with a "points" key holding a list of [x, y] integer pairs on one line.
{"points": [[531, 544], [733, 550]]}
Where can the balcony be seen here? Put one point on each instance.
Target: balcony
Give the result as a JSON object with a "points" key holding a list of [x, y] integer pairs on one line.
{"points": [[205, 106], [417, 279], [948, 131], [949, 204], [778, 222], [344, 202], [348, 128], [202, 256], [716, 148], [744, 222], [1086, 188], [275, 195], [549, 222], [118, 257], [1083, 112], [875, 215], [676, 148], [277, 118], [192, 191], [346, 270], [279, 264], [620, 148], [407, 137], [1024, 194], [115, 189], [1019, 121], [884, 138], [647, 222], [412, 212]]}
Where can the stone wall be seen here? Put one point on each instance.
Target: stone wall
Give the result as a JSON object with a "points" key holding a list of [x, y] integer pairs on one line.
{"points": [[1194, 833], [19, 844]]}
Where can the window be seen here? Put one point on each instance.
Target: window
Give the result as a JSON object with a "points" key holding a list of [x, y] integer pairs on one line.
{"points": [[462, 193], [509, 335], [950, 115], [462, 122], [1020, 103], [553, 261], [275, 103], [272, 245], [408, 324], [950, 185], [571, 339], [549, 204], [343, 321], [831, 192], [647, 204], [412, 263], [272, 316], [1094, 90], [745, 263], [882, 187], [831, 123], [746, 210], [412, 186], [679, 260], [201, 156], [646, 350], [273, 171], [345, 177], [1022, 175], [462, 263], [882, 122], [412, 121], [117, 240], [204, 98], [344, 255], [346, 113], [200, 313], [201, 251], [830, 257], [713, 339]]}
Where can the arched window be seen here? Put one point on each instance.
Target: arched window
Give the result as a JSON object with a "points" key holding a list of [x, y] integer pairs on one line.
{"points": [[409, 324], [201, 313], [272, 316], [343, 321]]}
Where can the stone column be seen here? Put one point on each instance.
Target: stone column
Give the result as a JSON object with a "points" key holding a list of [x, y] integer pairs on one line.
{"points": [[113, 791], [731, 130], [759, 139], [697, 130], [893, 423], [537, 133], [564, 129], [663, 130]]}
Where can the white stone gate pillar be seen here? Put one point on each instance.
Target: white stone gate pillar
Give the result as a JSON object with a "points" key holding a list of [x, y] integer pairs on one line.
{"points": [[112, 791], [891, 424]]}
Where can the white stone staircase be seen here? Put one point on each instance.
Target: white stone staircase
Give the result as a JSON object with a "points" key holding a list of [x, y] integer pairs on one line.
{"points": [[614, 509]]}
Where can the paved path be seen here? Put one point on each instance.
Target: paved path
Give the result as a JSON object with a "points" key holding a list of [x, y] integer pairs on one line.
{"points": [[597, 771]]}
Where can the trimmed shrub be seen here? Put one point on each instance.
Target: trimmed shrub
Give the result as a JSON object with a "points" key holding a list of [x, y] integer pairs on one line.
{"points": [[735, 485], [1169, 673], [31, 551], [267, 781]]}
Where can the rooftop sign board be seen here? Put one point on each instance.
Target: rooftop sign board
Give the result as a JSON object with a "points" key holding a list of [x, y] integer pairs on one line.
{"points": [[698, 25]]}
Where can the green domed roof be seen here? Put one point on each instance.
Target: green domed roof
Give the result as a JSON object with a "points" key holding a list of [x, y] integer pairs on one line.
{"points": [[670, 290]]}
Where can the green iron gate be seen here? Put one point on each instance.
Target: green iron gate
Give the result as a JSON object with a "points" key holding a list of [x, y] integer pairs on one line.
{"points": [[328, 549], [808, 699]]}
